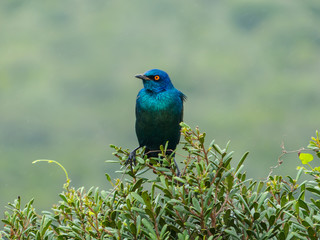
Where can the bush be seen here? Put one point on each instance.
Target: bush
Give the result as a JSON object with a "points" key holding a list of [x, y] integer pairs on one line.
{"points": [[210, 200]]}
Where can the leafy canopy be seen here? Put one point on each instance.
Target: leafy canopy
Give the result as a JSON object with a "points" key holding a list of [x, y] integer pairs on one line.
{"points": [[210, 200]]}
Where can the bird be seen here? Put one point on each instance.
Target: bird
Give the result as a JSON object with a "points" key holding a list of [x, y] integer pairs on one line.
{"points": [[159, 112]]}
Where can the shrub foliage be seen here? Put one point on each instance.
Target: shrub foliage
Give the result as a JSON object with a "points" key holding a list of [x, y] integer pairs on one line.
{"points": [[211, 199]]}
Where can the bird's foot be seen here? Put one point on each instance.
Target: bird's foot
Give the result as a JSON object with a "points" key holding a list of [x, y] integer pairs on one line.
{"points": [[177, 167], [132, 158]]}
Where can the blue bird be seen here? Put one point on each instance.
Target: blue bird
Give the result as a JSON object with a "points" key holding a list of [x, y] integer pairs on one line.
{"points": [[159, 111]]}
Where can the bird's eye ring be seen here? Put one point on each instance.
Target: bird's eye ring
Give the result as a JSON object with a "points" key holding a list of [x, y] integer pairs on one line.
{"points": [[156, 77]]}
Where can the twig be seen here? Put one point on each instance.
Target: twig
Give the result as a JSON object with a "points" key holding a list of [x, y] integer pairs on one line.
{"points": [[280, 161]]}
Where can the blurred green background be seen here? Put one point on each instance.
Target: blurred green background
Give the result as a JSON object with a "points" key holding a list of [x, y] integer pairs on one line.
{"points": [[67, 88]]}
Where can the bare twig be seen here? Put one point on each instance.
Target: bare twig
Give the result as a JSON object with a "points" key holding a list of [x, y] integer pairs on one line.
{"points": [[280, 161]]}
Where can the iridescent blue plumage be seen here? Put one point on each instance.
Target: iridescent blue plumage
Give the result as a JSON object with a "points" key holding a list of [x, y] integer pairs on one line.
{"points": [[159, 111]]}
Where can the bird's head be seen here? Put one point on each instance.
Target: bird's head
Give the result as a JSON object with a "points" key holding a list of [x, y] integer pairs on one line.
{"points": [[155, 80]]}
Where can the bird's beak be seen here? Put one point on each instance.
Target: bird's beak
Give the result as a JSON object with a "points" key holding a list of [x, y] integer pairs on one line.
{"points": [[141, 76]]}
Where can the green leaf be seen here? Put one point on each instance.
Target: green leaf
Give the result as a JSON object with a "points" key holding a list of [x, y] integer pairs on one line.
{"points": [[229, 181], [299, 236], [299, 174], [217, 148], [140, 172], [303, 205], [38, 237], [163, 231], [212, 142], [263, 196], [183, 124], [108, 177], [317, 169], [232, 232], [163, 181], [138, 210], [179, 179], [181, 209], [244, 202], [190, 225], [271, 220], [201, 138], [63, 197], [196, 204], [146, 199], [150, 228], [112, 161], [140, 160], [317, 218], [260, 186], [314, 190], [137, 197], [242, 160], [137, 184], [45, 223], [305, 158]]}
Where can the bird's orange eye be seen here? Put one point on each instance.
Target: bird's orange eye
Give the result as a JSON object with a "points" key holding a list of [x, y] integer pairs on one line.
{"points": [[156, 77]]}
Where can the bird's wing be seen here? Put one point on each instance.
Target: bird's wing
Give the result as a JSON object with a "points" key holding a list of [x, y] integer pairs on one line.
{"points": [[183, 98]]}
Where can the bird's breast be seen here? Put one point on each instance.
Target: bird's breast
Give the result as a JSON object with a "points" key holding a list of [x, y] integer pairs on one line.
{"points": [[159, 103], [157, 119]]}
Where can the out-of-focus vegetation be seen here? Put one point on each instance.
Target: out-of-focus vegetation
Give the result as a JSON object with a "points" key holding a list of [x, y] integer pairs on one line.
{"points": [[250, 71]]}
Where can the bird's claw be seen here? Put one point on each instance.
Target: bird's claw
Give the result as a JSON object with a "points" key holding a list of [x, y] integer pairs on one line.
{"points": [[177, 167], [131, 159]]}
